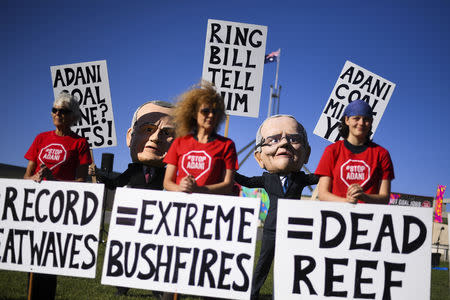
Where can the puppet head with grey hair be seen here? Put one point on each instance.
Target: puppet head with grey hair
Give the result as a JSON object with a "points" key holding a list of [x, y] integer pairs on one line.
{"points": [[281, 145], [151, 133]]}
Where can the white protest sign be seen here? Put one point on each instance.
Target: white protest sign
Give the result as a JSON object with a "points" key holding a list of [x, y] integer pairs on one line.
{"points": [[90, 84], [50, 227], [234, 62], [346, 251], [193, 244], [353, 83]]}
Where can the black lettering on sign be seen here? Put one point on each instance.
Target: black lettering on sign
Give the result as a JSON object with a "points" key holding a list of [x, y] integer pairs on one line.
{"points": [[178, 263], [69, 76], [127, 255], [193, 267], [301, 274], [205, 267], [165, 264], [10, 196], [388, 283], [41, 193], [179, 206], [144, 216], [26, 205], [115, 252], [9, 247], [87, 216], [188, 220], [360, 265], [63, 250], [36, 249], [71, 201], [226, 218], [244, 223], [54, 210], [163, 220], [331, 127], [355, 232], [242, 36], [330, 278], [205, 220], [151, 266], [386, 230], [98, 133], [51, 248], [74, 252], [239, 259], [93, 238], [224, 270], [337, 108], [335, 241], [409, 247]]}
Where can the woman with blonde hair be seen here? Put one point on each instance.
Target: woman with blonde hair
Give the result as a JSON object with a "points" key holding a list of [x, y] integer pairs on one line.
{"points": [[200, 160]]}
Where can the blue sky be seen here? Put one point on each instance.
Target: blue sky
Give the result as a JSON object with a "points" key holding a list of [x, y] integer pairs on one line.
{"points": [[154, 50]]}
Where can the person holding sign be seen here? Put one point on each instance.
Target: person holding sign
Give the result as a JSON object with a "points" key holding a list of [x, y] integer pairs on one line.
{"points": [[200, 160], [59, 154], [149, 138], [355, 169], [281, 148]]}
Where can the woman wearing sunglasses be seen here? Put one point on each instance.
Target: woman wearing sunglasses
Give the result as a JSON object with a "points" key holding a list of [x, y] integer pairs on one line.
{"points": [[355, 169], [199, 160], [59, 154]]}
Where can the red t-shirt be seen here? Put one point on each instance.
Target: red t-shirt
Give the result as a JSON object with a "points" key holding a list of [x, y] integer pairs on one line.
{"points": [[367, 168], [206, 162], [61, 154]]}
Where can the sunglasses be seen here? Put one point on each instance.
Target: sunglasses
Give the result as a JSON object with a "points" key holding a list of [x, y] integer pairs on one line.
{"points": [[63, 111], [275, 139], [207, 111]]}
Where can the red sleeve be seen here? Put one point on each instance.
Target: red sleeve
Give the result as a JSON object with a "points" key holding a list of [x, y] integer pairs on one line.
{"points": [[325, 167], [32, 153], [231, 162], [387, 166], [84, 154], [172, 156]]}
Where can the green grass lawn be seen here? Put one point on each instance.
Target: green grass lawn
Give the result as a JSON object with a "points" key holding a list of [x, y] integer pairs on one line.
{"points": [[13, 286]]}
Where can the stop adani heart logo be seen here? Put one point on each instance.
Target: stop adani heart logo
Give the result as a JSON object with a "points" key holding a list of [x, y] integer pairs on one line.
{"points": [[196, 162], [355, 171]]}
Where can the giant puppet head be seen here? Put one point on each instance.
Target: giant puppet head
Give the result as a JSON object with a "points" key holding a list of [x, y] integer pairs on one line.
{"points": [[151, 133], [281, 145]]}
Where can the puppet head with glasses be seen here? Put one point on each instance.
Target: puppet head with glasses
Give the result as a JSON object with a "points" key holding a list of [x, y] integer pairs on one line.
{"points": [[281, 145]]}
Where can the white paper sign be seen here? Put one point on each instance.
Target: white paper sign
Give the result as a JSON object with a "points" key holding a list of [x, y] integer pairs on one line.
{"points": [[353, 83], [90, 84], [333, 251], [50, 227], [234, 62], [193, 244]]}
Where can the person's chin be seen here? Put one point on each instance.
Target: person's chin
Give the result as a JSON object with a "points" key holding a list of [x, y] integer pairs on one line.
{"points": [[151, 160]]}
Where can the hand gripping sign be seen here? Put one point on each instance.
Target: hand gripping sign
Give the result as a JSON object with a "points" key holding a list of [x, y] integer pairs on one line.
{"points": [[193, 244], [50, 227], [345, 251]]}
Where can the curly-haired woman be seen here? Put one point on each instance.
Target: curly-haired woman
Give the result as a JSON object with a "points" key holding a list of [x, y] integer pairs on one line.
{"points": [[200, 160]]}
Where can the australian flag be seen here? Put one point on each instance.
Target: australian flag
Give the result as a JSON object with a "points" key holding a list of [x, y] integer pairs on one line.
{"points": [[272, 57]]}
